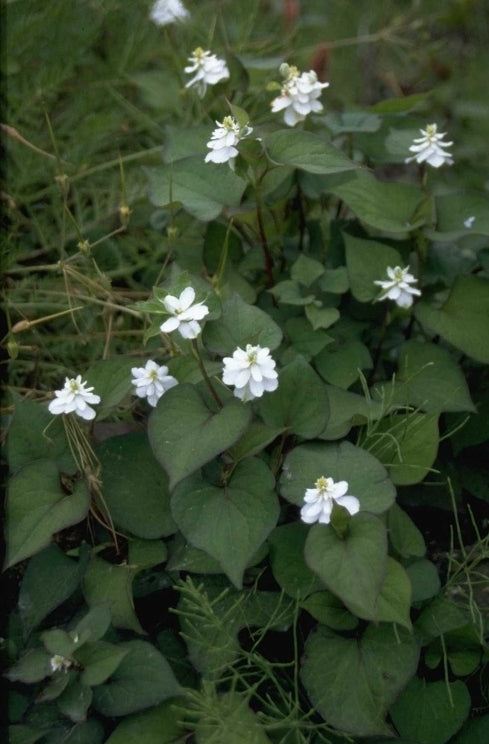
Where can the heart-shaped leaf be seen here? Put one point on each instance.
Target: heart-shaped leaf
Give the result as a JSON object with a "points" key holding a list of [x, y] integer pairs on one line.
{"points": [[37, 507], [352, 681], [367, 478], [241, 324], [431, 712], [353, 567], [228, 523], [300, 404], [185, 434]]}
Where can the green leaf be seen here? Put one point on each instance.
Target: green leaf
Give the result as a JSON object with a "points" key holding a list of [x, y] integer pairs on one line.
{"points": [[86, 732], [105, 583], [37, 507], [394, 601], [229, 523], [452, 211], [428, 379], [352, 681], [474, 731], [289, 292], [135, 487], [304, 338], [306, 151], [254, 440], [439, 617], [424, 579], [330, 611], [306, 270], [407, 444], [463, 320], [99, 660], [143, 679], [75, 701], [32, 667], [24, 734], [352, 121], [185, 434], [367, 261], [366, 476], [431, 712], [342, 365], [94, 624], [300, 404], [232, 722], [202, 188], [346, 410], [386, 206], [353, 568], [321, 317], [50, 578], [58, 641], [404, 536], [240, 324], [147, 553], [35, 434], [159, 725], [287, 561], [111, 379]]}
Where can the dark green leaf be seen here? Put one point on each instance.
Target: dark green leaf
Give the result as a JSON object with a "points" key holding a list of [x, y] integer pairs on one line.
{"points": [[229, 523], [143, 679], [135, 487], [300, 404], [37, 507], [185, 434], [352, 681]]}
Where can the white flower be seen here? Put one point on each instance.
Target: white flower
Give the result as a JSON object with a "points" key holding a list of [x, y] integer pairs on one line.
{"points": [[164, 12], [252, 372], [60, 663], [398, 286], [429, 148], [184, 314], [299, 95], [208, 70], [74, 396], [319, 500], [224, 139], [469, 222], [151, 381]]}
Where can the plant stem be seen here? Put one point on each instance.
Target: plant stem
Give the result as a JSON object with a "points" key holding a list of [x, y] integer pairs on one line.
{"points": [[204, 372]]}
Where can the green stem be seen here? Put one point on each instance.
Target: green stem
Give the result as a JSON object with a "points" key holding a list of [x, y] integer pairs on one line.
{"points": [[204, 372]]}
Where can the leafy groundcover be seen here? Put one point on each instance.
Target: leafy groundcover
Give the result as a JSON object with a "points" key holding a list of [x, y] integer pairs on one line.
{"points": [[248, 340]]}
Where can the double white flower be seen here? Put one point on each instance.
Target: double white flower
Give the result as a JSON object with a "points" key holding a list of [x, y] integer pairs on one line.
{"points": [[184, 314], [430, 149], [252, 372], [60, 663], [224, 139], [74, 397], [398, 286], [208, 70], [299, 95], [152, 381], [319, 501], [164, 12]]}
